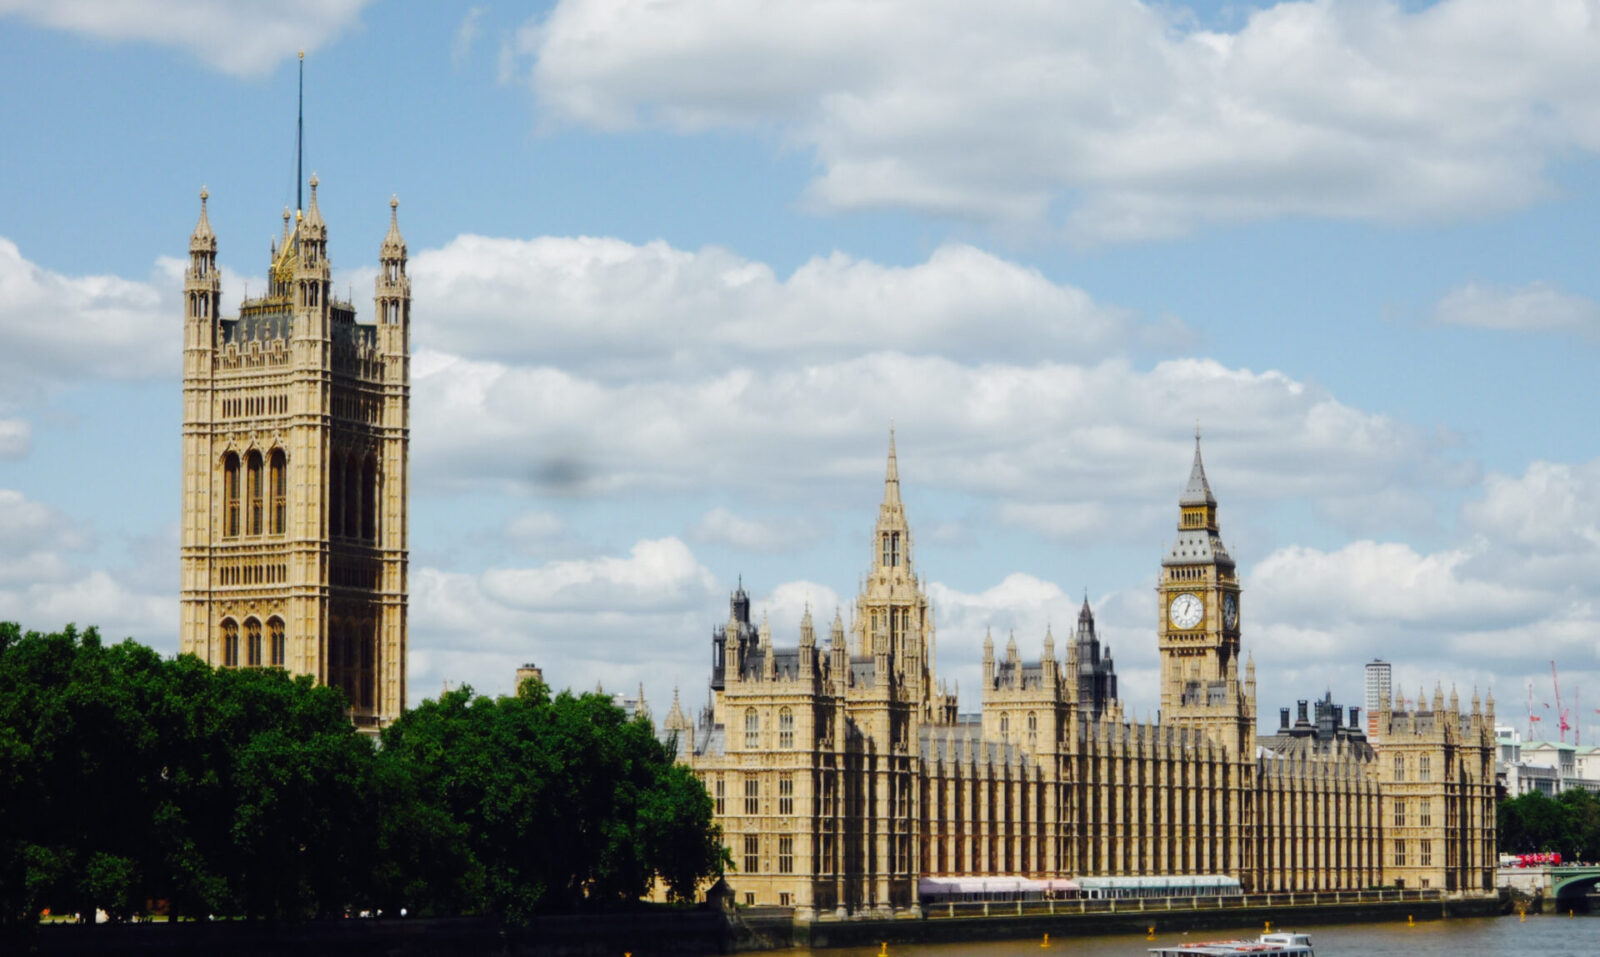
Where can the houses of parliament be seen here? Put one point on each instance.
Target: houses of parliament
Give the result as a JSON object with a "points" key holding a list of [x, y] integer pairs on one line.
{"points": [[841, 771], [295, 457]]}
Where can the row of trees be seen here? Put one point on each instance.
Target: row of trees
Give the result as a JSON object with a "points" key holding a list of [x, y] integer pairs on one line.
{"points": [[1568, 823], [127, 778]]}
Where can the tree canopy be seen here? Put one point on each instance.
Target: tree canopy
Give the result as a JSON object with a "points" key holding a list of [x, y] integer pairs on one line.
{"points": [[1568, 823], [128, 779]]}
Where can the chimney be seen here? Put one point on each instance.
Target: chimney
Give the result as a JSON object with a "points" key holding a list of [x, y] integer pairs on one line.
{"points": [[1283, 719], [1302, 718], [1355, 717]]}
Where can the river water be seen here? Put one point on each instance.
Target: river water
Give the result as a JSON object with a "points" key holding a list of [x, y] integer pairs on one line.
{"points": [[1538, 936]]}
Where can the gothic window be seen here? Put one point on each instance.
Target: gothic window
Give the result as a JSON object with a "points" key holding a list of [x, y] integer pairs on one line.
{"points": [[1033, 728], [230, 494], [1399, 853], [1425, 768], [1425, 857], [786, 854], [1399, 814], [1399, 767], [752, 794], [1425, 813], [369, 499], [275, 642], [752, 854], [352, 498], [252, 642], [253, 491], [279, 483], [786, 728], [336, 495], [369, 641], [230, 644], [1005, 724], [722, 802], [752, 729], [786, 794]]}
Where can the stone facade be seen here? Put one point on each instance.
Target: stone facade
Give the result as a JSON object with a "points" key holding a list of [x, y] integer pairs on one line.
{"points": [[295, 457], [842, 772]]}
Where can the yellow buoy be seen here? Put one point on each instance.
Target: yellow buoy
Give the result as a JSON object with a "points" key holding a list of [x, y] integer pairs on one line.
{"points": [[1410, 922], [883, 949], [1046, 941], [1150, 932]]}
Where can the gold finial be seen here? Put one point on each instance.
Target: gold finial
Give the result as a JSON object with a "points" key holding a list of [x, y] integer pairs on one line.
{"points": [[204, 195], [297, 216], [302, 54], [394, 201], [313, 182]]}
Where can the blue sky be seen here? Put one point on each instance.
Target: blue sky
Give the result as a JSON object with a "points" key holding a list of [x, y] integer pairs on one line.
{"points": [[678, 265]]}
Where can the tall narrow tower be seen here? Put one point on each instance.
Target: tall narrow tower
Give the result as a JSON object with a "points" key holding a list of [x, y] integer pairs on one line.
{"points": [[295, 469], [894, 621], [1198, 634]]}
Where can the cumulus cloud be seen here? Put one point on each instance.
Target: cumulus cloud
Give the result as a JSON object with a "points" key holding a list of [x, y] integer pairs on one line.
{"points": [[54, 326], [1536, 307], [1061, 443], [1122, 114], [44, 583], [240, 37], [613, 308]]}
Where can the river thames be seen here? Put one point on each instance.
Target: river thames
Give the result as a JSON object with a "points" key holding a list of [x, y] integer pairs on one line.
{"points": [[1539, 936]]}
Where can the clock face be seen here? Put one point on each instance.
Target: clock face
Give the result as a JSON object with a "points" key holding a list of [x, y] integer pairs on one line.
{"points": [[1230, 611], [1185, 611]]}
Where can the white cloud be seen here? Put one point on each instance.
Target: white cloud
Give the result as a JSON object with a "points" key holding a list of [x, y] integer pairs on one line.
{"points": [[1122, 114], [16, 438], [72, 327], [616, 309], [656, 575], [1098, 443], [467, 33], [241, 37], [1536, 307], [722, 527], [43, 584]]}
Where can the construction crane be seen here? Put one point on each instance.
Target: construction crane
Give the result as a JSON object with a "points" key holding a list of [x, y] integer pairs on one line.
{"points": [[1561, 713]]}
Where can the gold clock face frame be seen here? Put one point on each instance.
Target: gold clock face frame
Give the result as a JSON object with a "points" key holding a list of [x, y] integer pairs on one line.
{"points": [[1186, 611]]}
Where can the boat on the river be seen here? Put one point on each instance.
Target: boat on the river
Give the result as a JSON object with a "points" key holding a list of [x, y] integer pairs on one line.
{"points": [[1267, 945]]}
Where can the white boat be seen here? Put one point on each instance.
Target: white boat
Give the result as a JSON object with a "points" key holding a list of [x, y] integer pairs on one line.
{"points": [[1267, 945]]}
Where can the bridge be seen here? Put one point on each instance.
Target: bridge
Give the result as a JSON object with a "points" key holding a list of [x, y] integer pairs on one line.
{"points": [[1562, 887]]}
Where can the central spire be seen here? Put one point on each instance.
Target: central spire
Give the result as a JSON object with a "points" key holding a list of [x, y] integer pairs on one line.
{"points": [[891, 478], [1198, 491]]}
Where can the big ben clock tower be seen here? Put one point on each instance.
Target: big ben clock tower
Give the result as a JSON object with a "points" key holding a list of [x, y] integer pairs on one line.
{"points": [[1199, 625]]}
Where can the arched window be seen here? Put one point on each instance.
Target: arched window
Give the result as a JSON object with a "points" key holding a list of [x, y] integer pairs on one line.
{"points": [[230, 494], [252, 467], [752, 729], [230, 644], [785, 728], [369, 499], [1005, 724], [335, 494], [252, 642], [369, 654], [352, 497], [278, 469], [275, 642]]}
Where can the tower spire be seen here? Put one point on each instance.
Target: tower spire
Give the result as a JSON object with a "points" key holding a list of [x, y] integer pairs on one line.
{"points": [[1198, 491], [300, 136], [891, 478]]}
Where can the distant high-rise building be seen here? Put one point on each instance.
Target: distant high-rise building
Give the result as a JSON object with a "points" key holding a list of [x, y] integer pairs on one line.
{"points": [[1378, 694]]}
